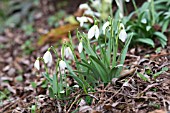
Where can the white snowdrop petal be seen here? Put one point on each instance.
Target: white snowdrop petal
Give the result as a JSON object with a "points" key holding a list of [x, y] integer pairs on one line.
{"points": [[47, 57], [82, 20], [119, 65], [37, 64], [78, 18], [127, 0], [96, 32], [90, 20], [122, 26], [70, 54], [62, 65], [81, 24], [144, 21], [50, 58], [123, 35], [84, 6], [97, 14], [62, 91], [148, 28], [91, 32], [66, 52], [89, 12], [80, 47], [76, 86], [105, 26]]}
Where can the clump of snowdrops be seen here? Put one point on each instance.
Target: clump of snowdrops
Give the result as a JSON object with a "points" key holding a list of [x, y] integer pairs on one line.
{"points": [[96, 63]]}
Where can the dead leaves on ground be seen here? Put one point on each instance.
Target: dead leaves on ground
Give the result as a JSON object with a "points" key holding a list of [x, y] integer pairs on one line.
{"points": [[57, 33]]}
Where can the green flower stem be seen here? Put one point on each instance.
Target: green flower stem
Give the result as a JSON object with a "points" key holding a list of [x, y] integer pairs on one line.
{"points": [[61, 83], [135, 6], [65, 82], [114, 56], [153, 12], [107, 59], [56, 66], [110, 42], [55, 52], [103, 55], [46, 69], [115, 47], [111, 12], [75, 58]]}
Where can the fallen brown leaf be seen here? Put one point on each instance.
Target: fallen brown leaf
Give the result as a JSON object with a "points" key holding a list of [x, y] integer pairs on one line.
{"points": [[57, 33]]}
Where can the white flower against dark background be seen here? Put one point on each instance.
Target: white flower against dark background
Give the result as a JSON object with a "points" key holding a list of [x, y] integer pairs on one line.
{"points": [[93, 31]]}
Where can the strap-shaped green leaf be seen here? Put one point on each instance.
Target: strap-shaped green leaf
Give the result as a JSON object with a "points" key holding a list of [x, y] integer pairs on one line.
{"points": [[161, 35], [148, 41]]}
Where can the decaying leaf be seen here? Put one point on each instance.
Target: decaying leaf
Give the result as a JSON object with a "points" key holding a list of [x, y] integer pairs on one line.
{"points": [[56, 33], [158, 111], [84, 109]]}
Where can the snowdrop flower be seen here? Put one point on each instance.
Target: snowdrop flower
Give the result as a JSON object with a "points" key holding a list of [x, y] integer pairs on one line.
{"points": [[62, 91], [76, 86], [97, 14], [93, 31], [68, 53], [80, 47], [105, 26], [47, 57], [84, 6], [84, 19], [127, 0], [62, 65], [144, 21], [148, 28], [122, 34], [37, 64], [91, 13]]}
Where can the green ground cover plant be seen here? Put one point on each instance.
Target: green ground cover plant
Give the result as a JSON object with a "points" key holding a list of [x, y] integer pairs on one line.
{"points": [[98, 62], [147, 18]]}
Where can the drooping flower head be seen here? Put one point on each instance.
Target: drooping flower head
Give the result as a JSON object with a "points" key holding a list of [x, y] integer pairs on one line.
{"points": [[84, 19], [80, 47], [91, 13], [62, 65], [47, 57], [93, 31], [105, 26], [122, 34], [67, 53], [84, 6], [37, 64]]}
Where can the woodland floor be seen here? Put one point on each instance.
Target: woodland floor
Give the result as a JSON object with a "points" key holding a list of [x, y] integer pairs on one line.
{"points": [[136, 96]]}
